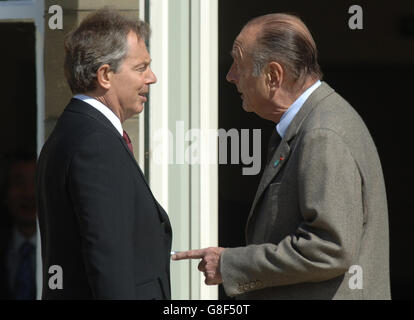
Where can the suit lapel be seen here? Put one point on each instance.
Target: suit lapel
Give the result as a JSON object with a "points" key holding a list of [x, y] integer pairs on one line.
{"points": [[277, 162], [282, 152], [84, 108], [79, 106], [161, 214]]}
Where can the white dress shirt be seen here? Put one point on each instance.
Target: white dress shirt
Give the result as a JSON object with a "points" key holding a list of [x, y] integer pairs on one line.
{"points": [[288, 116], [104, 110]]}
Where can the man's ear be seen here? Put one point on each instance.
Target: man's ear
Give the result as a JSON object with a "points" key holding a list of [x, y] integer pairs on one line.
{"points": [[103, 76], [275, 74]]}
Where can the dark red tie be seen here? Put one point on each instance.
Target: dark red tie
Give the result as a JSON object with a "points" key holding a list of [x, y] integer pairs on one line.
{"points": [[128, 142]]}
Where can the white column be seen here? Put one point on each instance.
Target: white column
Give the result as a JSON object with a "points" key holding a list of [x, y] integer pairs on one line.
{"points": [[159, 109], [208, 106], [141, 117], [179, 171], [40, 84], [184, 50]]}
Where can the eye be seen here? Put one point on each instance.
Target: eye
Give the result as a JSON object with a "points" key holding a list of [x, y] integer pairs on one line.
{"points": [[141, 68]]}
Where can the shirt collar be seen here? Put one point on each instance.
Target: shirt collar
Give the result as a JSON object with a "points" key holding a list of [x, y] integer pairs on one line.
{"points": [[104, 110], [288, 116]]}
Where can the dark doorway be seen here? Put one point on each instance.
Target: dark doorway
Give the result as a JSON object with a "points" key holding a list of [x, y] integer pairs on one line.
{"points": [[18, 87], [18, 127], [371, 68]]}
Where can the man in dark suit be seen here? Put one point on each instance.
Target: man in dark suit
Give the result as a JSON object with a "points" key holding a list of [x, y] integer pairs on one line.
{"points": [[318, 226], [18, 237], [103, 234]]}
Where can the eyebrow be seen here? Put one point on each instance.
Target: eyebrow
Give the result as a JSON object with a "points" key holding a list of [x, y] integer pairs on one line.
{"points": [[236, 50], [145, 63], [234, 53]]}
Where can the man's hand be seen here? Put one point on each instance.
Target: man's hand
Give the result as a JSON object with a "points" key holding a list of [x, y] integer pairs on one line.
{"points": [[209, 264]]}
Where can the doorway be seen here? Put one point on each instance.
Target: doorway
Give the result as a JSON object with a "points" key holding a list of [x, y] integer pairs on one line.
{"points": [[18, 146], [18, 85]]}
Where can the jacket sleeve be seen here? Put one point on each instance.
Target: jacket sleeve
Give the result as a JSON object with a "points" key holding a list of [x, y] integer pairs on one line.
{"points": [[104, 212], [327, 239]]}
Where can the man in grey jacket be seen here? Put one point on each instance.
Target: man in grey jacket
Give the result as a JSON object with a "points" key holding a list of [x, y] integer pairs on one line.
{"points": [[318, 226]]}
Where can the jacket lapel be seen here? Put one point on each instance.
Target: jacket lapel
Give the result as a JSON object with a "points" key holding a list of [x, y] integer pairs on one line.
{"points": [[79, 106], [282, 153], [277, 162]]}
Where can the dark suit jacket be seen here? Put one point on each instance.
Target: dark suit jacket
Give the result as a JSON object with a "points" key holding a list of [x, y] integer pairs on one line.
{"points": [[98, 219]]}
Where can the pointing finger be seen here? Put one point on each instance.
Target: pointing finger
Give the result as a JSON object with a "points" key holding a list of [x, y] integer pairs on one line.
{"points": [[191, 254]]}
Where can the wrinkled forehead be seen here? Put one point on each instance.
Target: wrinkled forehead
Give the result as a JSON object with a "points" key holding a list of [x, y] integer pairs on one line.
{"points": [[244, 41], [238, 49]]}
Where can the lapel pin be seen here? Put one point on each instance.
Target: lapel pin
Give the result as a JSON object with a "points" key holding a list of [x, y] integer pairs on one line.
{"points": [[278, 162]]}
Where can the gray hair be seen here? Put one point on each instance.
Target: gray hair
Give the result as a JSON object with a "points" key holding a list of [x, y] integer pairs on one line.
{"points": [[286, 39], [100, 39]]}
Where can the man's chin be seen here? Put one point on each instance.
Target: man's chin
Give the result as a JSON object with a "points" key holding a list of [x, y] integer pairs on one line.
{"points": [[139, 108], [246, 108]]}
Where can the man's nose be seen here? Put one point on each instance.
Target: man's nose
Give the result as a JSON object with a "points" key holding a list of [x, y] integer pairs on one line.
{"points": [[231, 76], [152, 78]]}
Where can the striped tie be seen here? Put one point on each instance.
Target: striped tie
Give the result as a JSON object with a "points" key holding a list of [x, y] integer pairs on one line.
{"points": [[128, 141]]}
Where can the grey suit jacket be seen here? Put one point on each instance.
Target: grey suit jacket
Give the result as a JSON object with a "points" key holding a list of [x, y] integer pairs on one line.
{"points": [[320, 209]]}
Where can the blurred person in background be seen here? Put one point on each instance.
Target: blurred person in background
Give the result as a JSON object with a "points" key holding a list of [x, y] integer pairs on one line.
{"points": [[18, 238]]}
